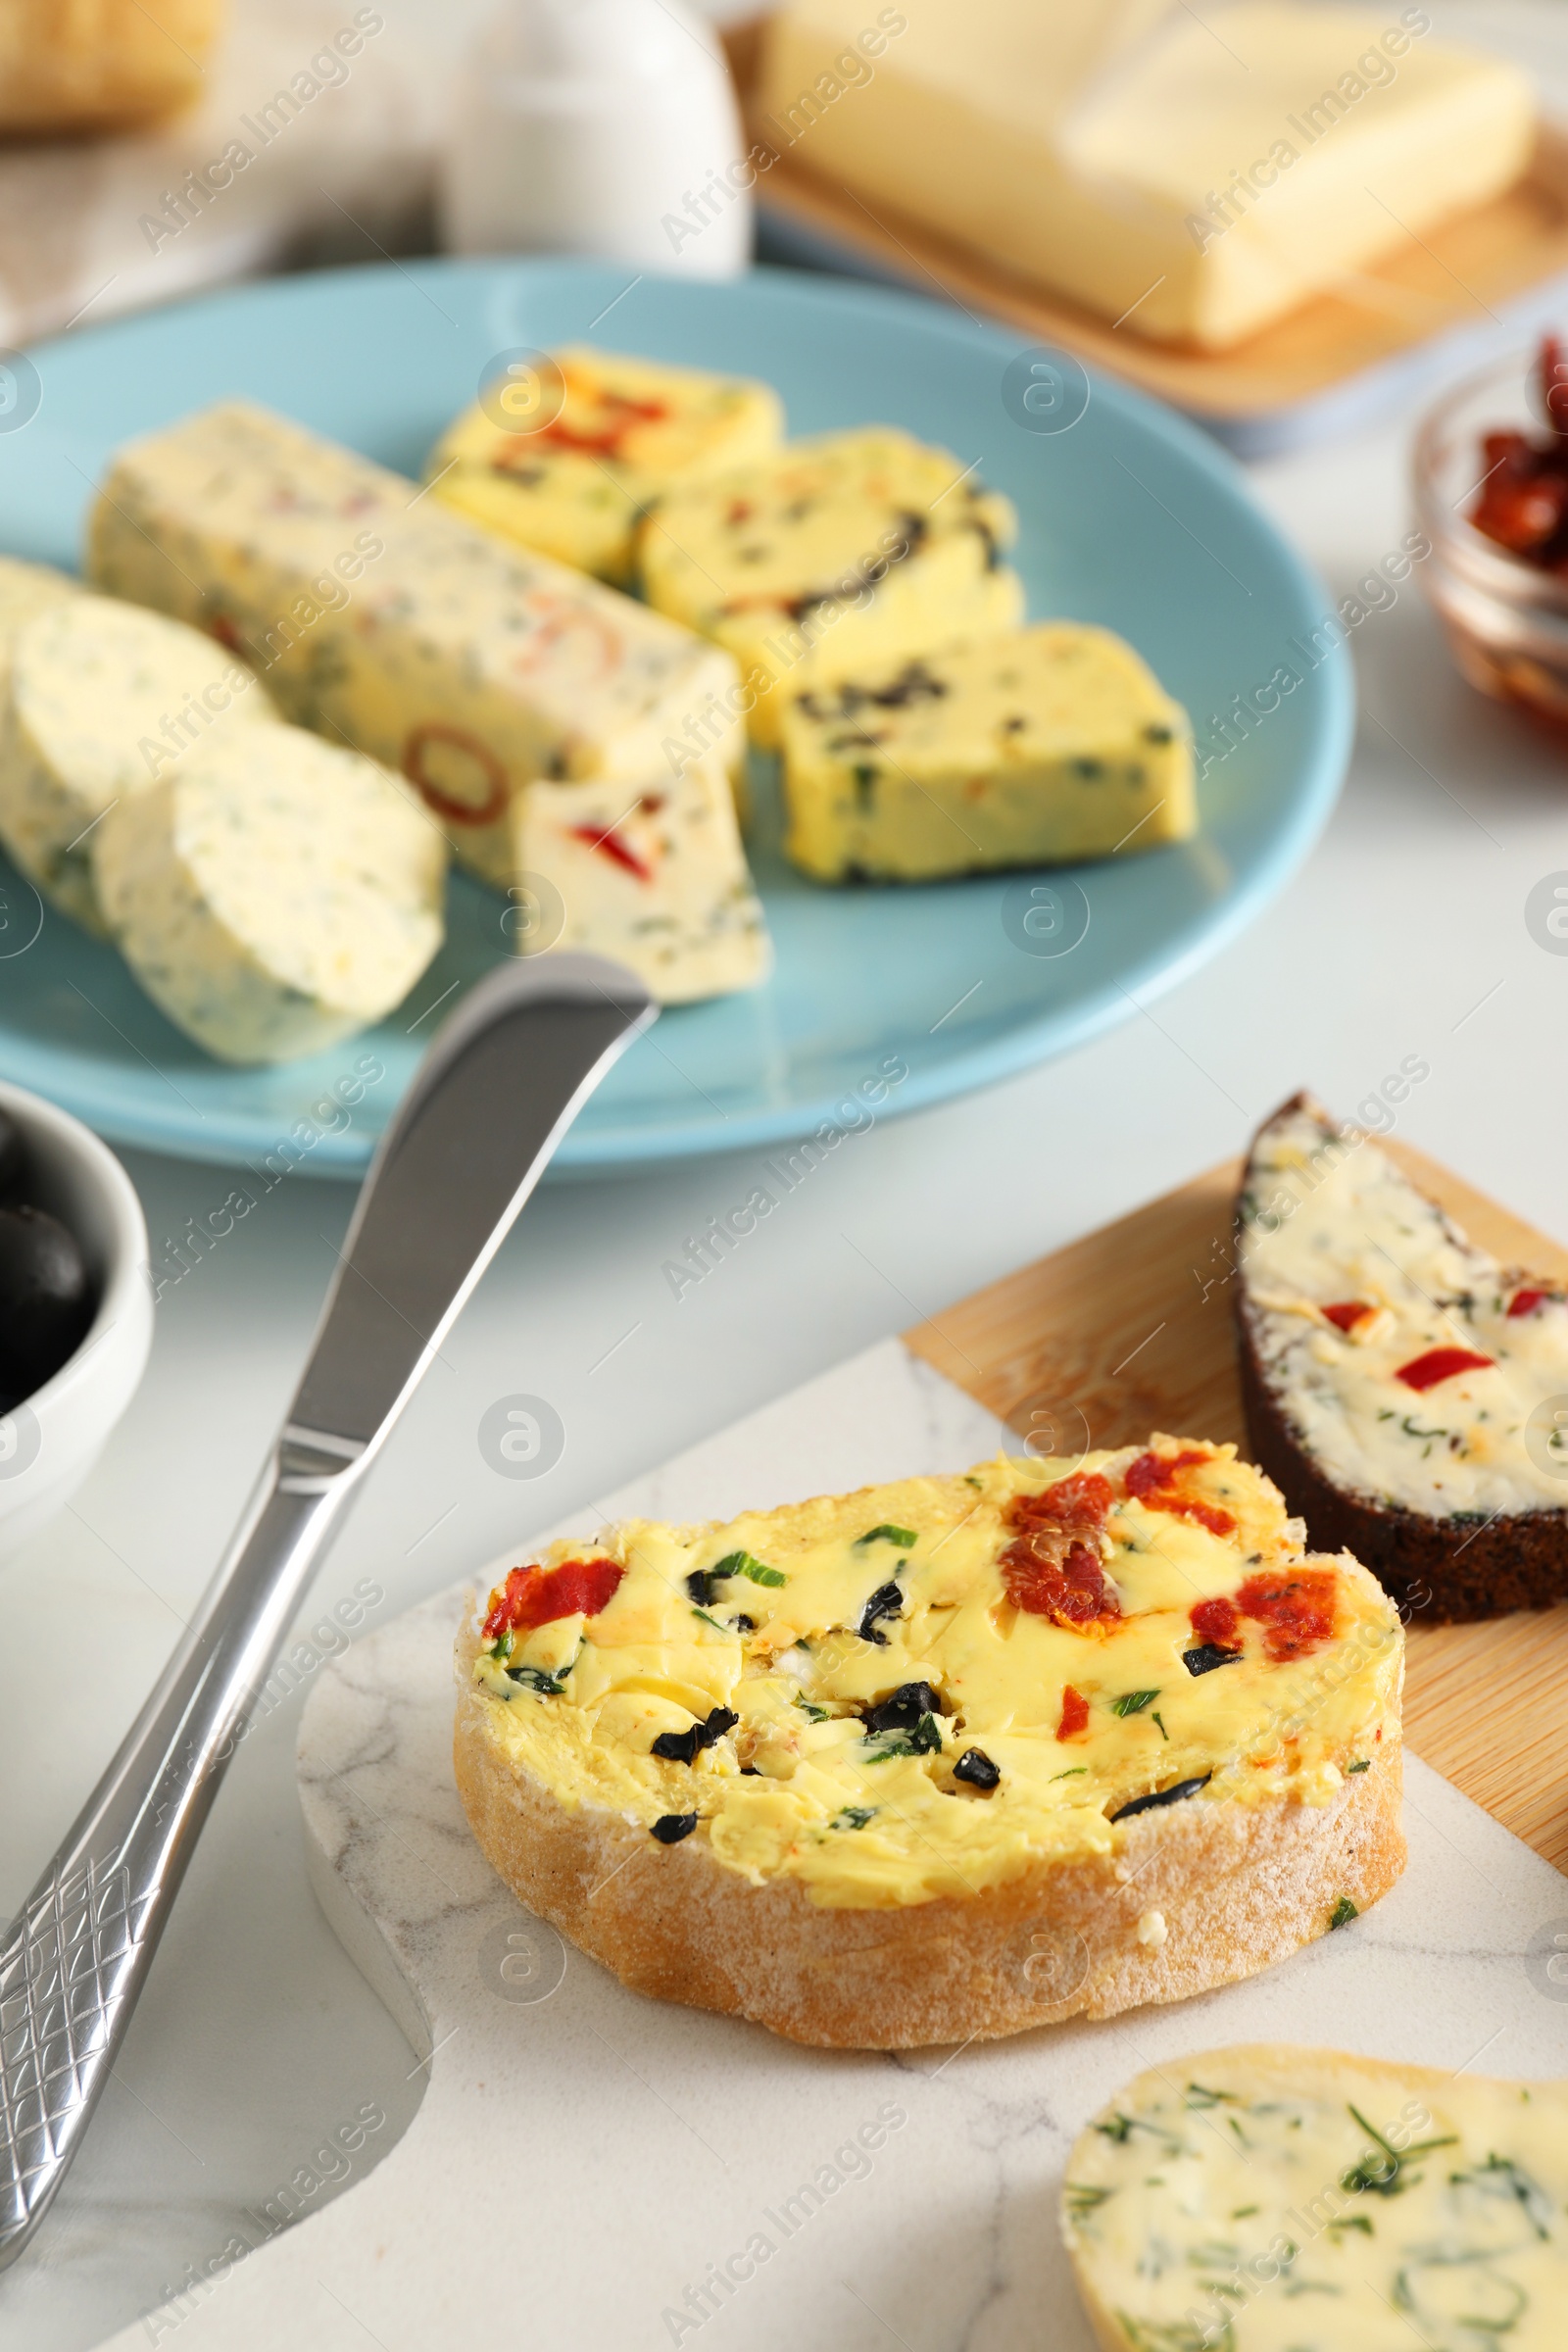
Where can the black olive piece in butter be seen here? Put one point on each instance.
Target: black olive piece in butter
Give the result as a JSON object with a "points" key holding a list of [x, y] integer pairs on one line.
{"points": [[886, 1601], [670, 1827], [1208, 1655], [684, 1748], [45, 1300], [904, 1709], [1163, 1796], [976, 1767]]}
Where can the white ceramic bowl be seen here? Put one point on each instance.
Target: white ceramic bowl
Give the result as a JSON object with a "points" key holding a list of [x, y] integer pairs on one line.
{"points": [[50, 1442]]}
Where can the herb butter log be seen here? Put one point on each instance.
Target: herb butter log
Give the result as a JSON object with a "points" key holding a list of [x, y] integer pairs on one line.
{"points": [[102, 698], [944, 1758], [857, 549], [273, 893], [1408, 1392], [1271, 2200], [1047, 744], [567, 458], [655, 878], [381, 617]]}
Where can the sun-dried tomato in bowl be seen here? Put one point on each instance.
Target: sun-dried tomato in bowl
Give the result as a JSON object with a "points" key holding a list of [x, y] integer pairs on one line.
{"points": [[1523, 498]]}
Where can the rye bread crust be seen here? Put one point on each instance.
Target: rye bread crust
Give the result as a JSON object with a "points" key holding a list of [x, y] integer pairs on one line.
{"points": [[1439, 1570], [1237, 1886]]}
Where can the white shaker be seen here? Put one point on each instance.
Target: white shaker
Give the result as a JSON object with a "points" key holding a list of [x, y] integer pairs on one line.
{"points": [[607, 127]]}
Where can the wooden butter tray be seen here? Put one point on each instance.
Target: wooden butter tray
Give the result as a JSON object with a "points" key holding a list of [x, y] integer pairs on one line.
{"points": [[1130, 1330], [1442, 301]]}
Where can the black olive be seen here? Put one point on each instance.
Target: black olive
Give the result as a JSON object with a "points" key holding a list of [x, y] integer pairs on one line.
{"points": [[670, 1827], [976, 1767], [45, 1304], [1163, 1796], [12, 1156], [743, 1624], [886, 1601], [904, 1710], [684, 1748], [700, 1585], [1206, 1656]]}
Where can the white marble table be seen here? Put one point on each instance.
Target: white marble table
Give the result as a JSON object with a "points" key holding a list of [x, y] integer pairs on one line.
{"points": [[256, 2039]]}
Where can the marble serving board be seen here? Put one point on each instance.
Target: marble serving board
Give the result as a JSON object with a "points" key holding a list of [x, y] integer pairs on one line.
{"points": [[593, 2170]]}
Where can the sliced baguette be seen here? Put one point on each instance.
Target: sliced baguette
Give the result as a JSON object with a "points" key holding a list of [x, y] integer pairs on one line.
{"points": [[1453, 1492], [841, 1870]]}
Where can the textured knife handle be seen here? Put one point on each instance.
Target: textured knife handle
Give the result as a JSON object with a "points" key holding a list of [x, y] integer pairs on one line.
{"points": [[72, 1964]]}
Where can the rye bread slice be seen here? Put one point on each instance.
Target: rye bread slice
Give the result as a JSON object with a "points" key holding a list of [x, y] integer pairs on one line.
{"points": [[1439, 1564]]}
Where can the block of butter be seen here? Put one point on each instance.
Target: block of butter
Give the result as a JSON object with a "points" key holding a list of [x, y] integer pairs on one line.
{"points": [[1191, 175], [1047, 744], [568, 458], [1271, 2200], [381, 619], [860, 548], [655, 878]]}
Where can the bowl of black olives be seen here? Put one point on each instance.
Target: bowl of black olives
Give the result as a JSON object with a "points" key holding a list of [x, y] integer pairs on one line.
{"points": [[75, 1306]]}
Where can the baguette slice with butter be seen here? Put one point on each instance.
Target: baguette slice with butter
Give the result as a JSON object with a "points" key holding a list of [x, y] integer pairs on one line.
{"points": [[1408, 1392], [949, 1757], [1270, 2199]]}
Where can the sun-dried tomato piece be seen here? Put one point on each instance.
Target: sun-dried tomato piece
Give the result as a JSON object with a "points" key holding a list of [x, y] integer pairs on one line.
{"points": [[1152, 1480], [1074, 1713], [1217, 1621], [1347, 1313], [1294, 1606], [1524, 1300], [534, 1596], [1054, 1568], [1424, 1372]]}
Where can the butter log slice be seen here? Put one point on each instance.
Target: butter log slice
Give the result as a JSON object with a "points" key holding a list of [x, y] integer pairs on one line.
{"points": [[273, 893], [1408, 1392], [1192, 187], [834, 555], [568, 462], [655, 878], [385, 620], [1047, 744], [102, 699], [953, 1756], [1271, 2200]]}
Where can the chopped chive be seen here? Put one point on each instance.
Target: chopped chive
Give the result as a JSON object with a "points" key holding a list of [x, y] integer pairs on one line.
{"points": [[904, 1537], [1132, 1703]]}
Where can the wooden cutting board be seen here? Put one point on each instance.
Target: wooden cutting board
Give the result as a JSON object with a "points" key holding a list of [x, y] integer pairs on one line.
{"points": [[1129, 1330], [1463, 277]]}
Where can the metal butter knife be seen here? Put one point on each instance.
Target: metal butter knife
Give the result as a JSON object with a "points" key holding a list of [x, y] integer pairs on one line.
{"points": [[499, 1086]]}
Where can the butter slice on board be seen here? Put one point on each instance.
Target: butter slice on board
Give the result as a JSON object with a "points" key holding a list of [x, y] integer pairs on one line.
{"points": [[383, 619], [273, 893], [569, 465], [860, 548], [655, 877], [1193, 182], [102, 698], [1047, 744], [1271, 2200]]}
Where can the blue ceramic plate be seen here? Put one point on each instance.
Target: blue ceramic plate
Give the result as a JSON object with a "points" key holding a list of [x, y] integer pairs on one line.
{"points": [[1129, 518]]}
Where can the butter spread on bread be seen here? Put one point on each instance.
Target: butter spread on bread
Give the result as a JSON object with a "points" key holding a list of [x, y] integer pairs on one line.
{"points": [[1049, 743], [102, 699], [570, 457], [1271, 2200], [272, 891], [861, 548], [969, 1698], [1399, 1380], [383, 618]]}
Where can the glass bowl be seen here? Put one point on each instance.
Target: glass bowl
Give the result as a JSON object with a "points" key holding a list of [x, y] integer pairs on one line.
{"points": [[1506, 620]]}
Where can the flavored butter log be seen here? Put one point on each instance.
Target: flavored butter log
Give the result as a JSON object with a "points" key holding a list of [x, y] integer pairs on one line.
{"points": [[1029, 749], [383, 619], [832, 555], [950, 1757]]}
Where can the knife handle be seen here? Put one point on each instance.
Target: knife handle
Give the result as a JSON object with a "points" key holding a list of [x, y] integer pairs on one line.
{"points": [[501, 1084]]}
